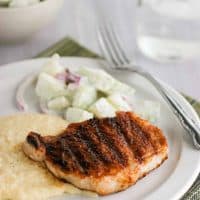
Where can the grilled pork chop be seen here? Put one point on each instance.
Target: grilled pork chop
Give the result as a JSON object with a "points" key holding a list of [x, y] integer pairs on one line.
{"points": [[102, 155]]}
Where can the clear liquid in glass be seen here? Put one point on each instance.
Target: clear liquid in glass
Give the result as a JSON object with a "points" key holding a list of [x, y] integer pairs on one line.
{"points": [[169, 29]]}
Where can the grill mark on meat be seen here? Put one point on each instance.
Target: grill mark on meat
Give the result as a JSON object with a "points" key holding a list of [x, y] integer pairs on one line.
{"points": [[102, 151], [74, 154], [91, 147], [50, 148], [64, 159], [108, 141], [144, 135], [152, 133], [118, 128], [131, 137], [117, 139], [84, 155], [78, 145], [144, 145], [137, 142], [83, 163], [67, 160], [54, 153]]}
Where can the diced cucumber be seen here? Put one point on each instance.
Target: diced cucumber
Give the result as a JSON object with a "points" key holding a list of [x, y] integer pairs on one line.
{"points": [[58, 103], [48, 87], [118, 102], [104, 82], [53, 66], [84, 96], [149, 110], [72, 88], [100, 79], [102, 108], [77, 115], [122, 88]]}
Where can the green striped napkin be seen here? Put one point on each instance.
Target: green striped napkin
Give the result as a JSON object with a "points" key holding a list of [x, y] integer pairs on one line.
{"points": [[68, 47]]}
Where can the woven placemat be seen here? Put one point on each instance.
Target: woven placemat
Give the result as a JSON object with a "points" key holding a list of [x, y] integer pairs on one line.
{"points": [[68, 47]]}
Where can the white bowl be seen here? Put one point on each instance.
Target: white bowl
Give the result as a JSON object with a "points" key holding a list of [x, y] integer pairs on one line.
{"points": [[17, 24]]}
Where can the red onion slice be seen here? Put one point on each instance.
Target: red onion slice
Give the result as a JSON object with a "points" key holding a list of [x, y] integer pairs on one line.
{"points": [[20, 101], [44, 107], [68, 77]]}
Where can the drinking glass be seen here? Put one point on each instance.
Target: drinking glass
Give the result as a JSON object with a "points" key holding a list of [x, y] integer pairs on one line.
{"points": [[168, 30]]}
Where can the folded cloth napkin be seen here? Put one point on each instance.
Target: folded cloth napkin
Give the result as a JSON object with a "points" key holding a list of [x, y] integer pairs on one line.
{"points": [[68, 47]]}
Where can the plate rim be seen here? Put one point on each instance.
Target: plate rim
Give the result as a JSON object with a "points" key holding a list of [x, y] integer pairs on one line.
{"points": [[181, 191]]}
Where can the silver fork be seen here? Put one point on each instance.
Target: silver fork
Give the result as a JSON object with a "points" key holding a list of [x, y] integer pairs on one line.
{"points": [[110, 46]]}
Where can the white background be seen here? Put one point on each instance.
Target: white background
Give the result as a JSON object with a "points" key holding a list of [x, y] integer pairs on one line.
{"points": [[77, 20]]}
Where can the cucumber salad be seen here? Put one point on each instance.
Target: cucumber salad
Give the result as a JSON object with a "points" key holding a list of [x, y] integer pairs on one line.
{"points": [[18, 3], [83, 93]]}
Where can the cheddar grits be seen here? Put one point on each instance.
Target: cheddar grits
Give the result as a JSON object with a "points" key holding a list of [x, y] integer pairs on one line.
{"points": [[20, 177]]}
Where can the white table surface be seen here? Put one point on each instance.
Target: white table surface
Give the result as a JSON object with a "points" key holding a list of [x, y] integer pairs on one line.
{"points": [[77, 20]]}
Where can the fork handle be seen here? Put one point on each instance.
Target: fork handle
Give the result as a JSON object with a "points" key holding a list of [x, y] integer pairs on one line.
{"points": [[192, 127], [189, 125]]}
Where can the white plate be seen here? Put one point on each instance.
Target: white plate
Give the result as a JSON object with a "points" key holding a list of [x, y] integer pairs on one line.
{"points": [[173, 178]]}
